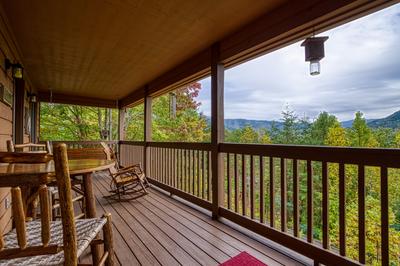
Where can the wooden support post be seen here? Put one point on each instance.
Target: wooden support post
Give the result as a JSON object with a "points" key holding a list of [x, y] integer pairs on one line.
{"points": [[217, 129], [121, 130], [19, 111], [121, 125], [147, 131]]}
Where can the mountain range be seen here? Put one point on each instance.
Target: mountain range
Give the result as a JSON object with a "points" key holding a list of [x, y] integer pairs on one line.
{"points": [[391, 121]]}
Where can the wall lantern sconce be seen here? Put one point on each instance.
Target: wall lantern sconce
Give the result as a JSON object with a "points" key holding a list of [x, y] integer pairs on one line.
{"points": [[17, 69], [314, 50], [32, 97]]}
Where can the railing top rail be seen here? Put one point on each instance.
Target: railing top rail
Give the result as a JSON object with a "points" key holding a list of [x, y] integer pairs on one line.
{"points": [[83, 142], [349, 155], [181, 145], [132, 142]]}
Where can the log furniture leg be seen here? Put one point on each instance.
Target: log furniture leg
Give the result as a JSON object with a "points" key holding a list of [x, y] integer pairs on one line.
{"points": [[90, 210]]}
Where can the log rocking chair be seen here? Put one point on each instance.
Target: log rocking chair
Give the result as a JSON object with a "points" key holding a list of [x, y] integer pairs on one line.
{"points": [[127, 183]]}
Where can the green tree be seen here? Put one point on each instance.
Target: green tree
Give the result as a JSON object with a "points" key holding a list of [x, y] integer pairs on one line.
{"points": [[186, 124], [290, 131], [320, 128], [361, 134]]}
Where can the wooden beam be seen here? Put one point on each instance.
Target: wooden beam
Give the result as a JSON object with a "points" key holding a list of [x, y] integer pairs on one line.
{"points": [[45, 96], [147, 131], [19, 106], [217, 129], [197, 67], [133, 97]]}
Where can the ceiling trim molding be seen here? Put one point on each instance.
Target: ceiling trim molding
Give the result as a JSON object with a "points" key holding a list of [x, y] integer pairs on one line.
{"points": [[45, 96]]}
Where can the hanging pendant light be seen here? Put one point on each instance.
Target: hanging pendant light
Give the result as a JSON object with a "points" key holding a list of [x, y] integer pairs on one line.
{"points": [[314, 52]]}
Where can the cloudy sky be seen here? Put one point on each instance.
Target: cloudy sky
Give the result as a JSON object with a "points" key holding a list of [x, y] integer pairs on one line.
{"points": [[360, 71]]}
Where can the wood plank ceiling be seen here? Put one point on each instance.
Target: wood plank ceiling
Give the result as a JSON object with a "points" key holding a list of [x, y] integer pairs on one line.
{"points": [[106, 49]]}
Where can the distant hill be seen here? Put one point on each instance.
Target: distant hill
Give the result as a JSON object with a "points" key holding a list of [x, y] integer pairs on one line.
{"points": [[391, 121], [233, 124]]}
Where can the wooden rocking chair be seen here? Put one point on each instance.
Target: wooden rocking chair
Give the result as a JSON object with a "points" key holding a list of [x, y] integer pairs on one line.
{"points": [[47, 242], [127, 183]]}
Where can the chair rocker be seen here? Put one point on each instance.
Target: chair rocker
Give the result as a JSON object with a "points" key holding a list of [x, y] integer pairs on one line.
{"points": [[127, 183]]}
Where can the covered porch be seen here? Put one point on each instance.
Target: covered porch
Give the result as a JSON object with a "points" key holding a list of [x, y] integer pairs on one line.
{"points": [[209, 200]]}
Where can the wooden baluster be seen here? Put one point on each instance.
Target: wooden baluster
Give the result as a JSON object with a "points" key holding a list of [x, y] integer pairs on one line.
{"points": [[174, 167], [262, 192], [198, 173], [384, 216], [271, 192], [310, 205], [236, 175], [193, 173], [252, 185], [165, 166], [361, 213], [244, 203], [19, 216], [296, 187], [187, 169], [162, 162], [203, 179], [210, 176], [342, 210], [157, 167], [325, 206], [183, 172], [228, 168], [45, 214], [171, 167], [283, 195]]}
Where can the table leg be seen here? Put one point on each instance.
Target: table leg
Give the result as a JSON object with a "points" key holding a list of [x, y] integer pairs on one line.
{"points": [[90, 211]]}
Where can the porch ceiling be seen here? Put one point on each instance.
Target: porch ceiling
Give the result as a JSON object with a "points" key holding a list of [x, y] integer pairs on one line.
{"points": [[106, 49]]}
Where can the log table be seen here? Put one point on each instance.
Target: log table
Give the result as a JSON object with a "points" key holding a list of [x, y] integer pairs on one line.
{"points": [[33, 175]]}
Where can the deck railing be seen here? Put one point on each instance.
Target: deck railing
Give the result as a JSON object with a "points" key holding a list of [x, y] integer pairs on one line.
{"points": [[285, 192], [268, 186], [182, 169]]}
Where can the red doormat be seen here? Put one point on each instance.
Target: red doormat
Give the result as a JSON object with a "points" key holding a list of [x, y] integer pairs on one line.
{"points": [[243, 258]]}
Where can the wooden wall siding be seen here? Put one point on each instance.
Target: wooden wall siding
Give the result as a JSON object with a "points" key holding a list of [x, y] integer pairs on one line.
{"points": [[10, 51], [6, 131]]}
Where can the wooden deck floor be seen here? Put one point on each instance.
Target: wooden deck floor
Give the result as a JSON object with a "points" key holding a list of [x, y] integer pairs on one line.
{"points": [[159, 230]]}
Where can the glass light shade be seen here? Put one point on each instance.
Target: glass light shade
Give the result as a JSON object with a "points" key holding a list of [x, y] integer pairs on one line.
{"points": [[17, 72], [315, 67]]}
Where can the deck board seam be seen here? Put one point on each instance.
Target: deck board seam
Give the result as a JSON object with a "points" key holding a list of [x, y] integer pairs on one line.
{"points": [[205, 219], [199, 236], [120, 233], [166, 234], [147, 231]]}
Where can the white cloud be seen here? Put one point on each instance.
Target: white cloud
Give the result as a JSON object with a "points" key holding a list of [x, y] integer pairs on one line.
{"points": [[360, 71]]}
